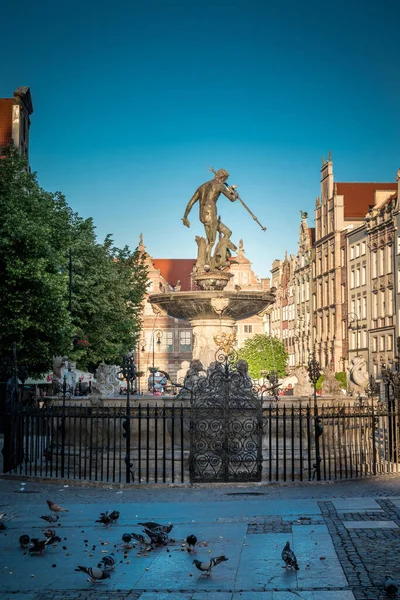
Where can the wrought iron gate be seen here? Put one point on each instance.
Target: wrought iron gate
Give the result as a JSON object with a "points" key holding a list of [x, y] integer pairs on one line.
{"points": [[226, 426]]}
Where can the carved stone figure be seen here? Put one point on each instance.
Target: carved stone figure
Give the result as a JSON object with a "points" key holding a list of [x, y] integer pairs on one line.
{"points": [[330, 385], [358, 375], [207, 195], [182, 372], [106, 380], [243, 368], [303, 386]]}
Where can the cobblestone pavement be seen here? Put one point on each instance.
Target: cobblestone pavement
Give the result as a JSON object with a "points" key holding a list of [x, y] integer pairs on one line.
{"points": [[346, 537]]}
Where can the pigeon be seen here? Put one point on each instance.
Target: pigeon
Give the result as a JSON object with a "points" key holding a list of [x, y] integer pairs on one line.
{"points": [[54, 539], [50, 518], [127, 538], [107, 562], [95, 575], [48, 533], [24, 541], [289, 558], [208, 565], [38, 547], [191, 541], [142, 539], [114, 515], [390, 586], [55, 507], [104, 518], [157, 527], [157, 537]]}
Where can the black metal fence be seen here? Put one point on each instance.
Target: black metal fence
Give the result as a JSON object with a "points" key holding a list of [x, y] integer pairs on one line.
{"points": [[90, 443]]}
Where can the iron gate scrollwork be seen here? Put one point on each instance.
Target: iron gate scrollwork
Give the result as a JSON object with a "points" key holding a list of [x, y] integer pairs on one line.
{"points": [[226, 425]]}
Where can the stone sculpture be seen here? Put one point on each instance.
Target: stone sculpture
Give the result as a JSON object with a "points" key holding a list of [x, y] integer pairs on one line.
{"points": [[358, 375], [207, 195]]}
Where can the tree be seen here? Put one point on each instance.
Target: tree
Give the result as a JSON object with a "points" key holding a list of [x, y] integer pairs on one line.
{"points": [[108, 286], [33, 311], [264, 353], [38, 233]]}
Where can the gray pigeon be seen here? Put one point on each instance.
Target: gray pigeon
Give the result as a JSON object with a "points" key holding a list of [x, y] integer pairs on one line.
{"points": [[107, 562], [95, 575], [144, 540], [289, 557], [207, 566], [391, 587], [157, 536], [157, 526]]}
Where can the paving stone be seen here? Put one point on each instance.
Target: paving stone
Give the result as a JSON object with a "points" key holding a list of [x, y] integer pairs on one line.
{"points": [[370, 524]]}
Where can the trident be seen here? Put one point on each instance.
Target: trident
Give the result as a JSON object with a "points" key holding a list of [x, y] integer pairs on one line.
{"points": [[232, 188]]}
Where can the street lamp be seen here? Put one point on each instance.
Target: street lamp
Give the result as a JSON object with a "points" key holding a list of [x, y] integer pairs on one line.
{"points": [[141, 347], [156, 334], [354, 319], [314, 373], [128, 371]]}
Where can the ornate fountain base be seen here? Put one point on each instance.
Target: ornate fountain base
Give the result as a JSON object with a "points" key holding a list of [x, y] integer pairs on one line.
{"points": [[211, 313], [204, 332]]}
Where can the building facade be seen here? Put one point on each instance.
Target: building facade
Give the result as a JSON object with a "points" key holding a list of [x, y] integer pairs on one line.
{"points": [[15, 120], [345, 278]]}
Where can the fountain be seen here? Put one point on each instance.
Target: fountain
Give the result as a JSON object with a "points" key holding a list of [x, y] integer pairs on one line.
{"points": [[212, 310]]}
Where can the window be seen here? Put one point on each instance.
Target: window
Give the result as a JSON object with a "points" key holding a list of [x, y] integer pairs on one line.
{"points": [[364, 307], [167, 341], [374, 264], [352, 279], [389, 259], [351, 252], [357, 250], [363, 248], [248, 328], [382, 261], [185, 341], [363, 275], [358, 278]]}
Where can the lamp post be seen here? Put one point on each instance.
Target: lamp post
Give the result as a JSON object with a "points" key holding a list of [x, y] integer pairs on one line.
{"points": [[354, 319], [128, 372], [156, 334], [141, 347], [314, 373]]}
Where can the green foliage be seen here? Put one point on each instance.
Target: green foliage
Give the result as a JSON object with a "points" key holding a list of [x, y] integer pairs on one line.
{"points": [[341, 378], [108, 285], [320, 381], [37, 232], [264, 353], [33, 311]]}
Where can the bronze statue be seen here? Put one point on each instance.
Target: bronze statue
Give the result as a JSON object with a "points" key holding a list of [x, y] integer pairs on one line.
{"points": [[207, 195]]}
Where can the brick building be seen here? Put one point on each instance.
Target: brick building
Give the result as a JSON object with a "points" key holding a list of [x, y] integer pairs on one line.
{"points": [[15, 120]]}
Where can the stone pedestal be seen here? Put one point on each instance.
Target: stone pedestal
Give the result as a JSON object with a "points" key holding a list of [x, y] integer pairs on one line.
{"points": [[204, 330]]}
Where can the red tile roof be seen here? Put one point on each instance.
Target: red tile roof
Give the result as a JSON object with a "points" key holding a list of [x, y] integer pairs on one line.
{"points": [[358, 197], [174, 269], [6, 105]]}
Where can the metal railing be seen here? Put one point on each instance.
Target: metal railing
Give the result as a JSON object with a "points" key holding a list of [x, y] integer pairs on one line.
{"points": [[89, 443]]}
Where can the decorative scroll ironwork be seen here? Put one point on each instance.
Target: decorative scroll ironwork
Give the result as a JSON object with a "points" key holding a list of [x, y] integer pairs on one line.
{"points": [[226, 425]]}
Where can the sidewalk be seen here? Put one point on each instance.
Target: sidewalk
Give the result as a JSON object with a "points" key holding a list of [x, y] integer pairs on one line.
{"points": [[345, 536]]}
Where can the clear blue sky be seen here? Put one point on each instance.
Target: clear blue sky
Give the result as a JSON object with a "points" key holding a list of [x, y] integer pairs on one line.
{"points": [[134, 100]]}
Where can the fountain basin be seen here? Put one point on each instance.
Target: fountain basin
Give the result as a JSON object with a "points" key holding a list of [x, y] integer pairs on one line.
{"points": [[212, 304]]}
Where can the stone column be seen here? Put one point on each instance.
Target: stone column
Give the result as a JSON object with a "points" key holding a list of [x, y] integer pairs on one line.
{"points": [[204, 330]]}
